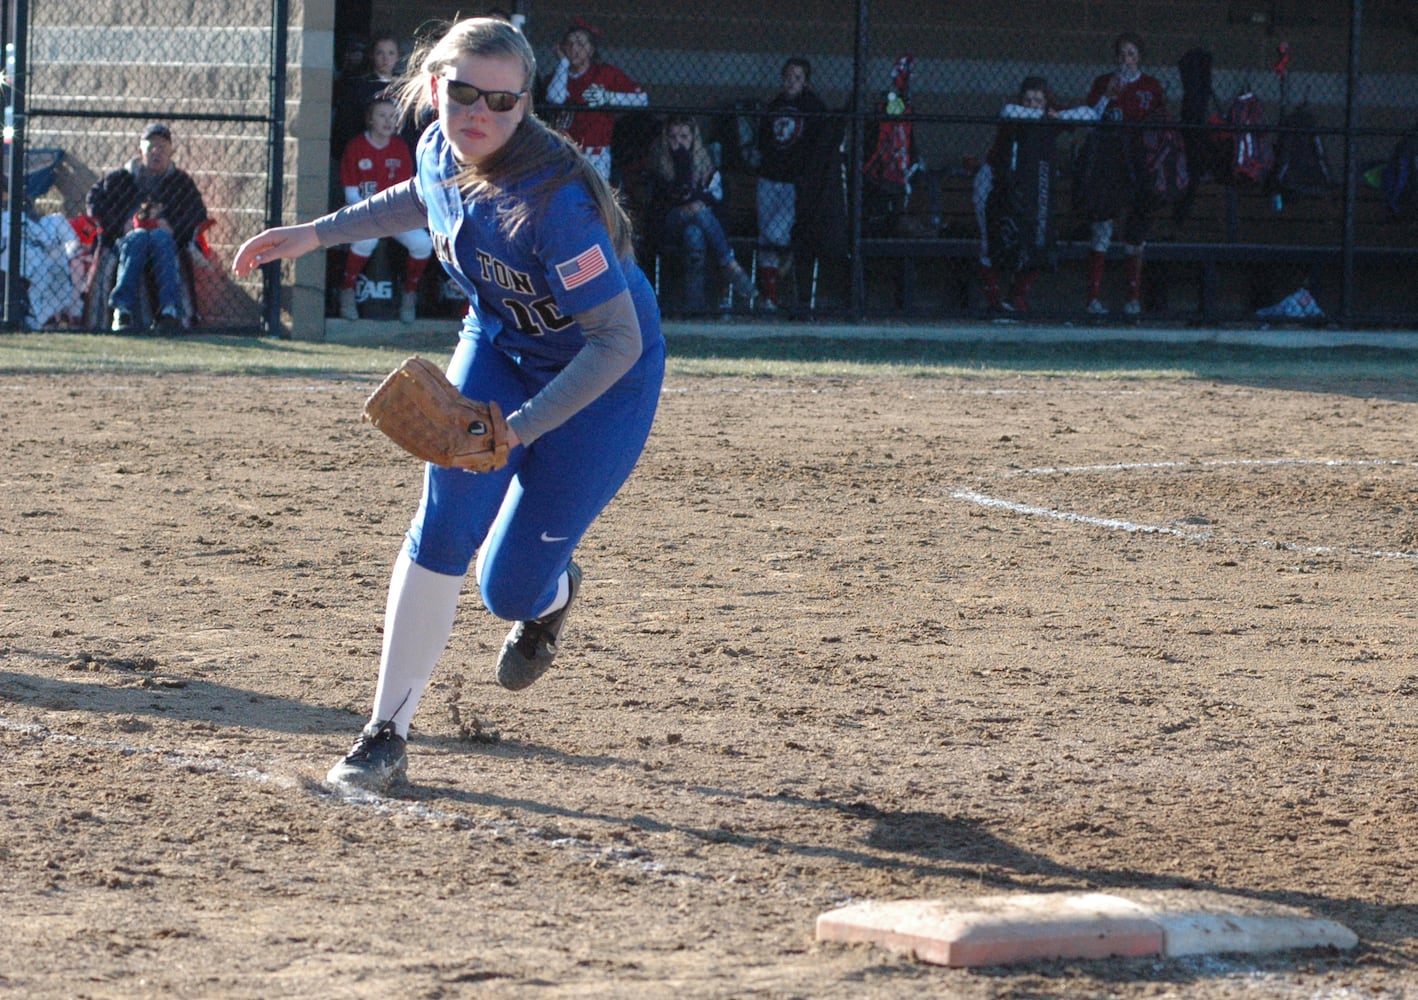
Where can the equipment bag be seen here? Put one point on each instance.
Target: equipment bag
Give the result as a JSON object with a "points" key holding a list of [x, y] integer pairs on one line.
{"points": [[1165, 162], [1301, 164], [1251, 157]]}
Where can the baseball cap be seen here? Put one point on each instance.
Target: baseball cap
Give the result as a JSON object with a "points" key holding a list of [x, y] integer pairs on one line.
{"points": [[159, 130]]}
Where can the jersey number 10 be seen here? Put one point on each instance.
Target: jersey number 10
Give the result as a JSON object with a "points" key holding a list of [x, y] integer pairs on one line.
{"points": [[537, 318]]}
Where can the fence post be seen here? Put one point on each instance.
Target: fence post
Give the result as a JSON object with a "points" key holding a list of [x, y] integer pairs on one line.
{"points": [[854, 206], [275, 163], [15, 73], [1351, 169]]}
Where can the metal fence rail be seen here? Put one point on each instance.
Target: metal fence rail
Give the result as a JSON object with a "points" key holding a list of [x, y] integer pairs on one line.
{"points": [[81, 88], [1235, 247], [79, 93]]}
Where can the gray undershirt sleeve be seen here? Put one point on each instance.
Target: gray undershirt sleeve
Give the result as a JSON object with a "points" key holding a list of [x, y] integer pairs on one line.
{"points": [[613, 345], [394, 210], [612, 330]]}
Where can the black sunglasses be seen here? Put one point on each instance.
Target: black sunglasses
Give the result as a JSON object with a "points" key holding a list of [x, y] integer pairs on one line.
{"points": [[467, 94]]}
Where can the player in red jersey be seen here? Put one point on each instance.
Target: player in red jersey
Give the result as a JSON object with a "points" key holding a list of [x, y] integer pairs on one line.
{"points": [[1113, 184], [374, 160], [581, 78]]}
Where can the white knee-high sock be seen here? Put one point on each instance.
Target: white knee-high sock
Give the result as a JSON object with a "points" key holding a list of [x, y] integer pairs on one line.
{"points": [[417, 621], [563, 594]]}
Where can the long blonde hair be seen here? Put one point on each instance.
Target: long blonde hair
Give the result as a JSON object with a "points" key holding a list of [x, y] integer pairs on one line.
{"points": [[532, 150], [702, 164]]}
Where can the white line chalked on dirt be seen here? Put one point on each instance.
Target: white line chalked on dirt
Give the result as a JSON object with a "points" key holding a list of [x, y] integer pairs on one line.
{"points": [[1232, 463], [498, 828], [1121, 524]]}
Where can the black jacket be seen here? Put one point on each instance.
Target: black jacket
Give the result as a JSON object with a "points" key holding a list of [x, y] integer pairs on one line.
{"points": [[787, 137], [115, 198]]}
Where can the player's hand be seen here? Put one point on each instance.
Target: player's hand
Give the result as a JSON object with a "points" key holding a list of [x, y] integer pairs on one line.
{"points": [[281, 243], [594, 95]]}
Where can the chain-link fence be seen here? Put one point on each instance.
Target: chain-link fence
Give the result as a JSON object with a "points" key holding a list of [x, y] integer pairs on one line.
{"points": [[1299, 121], [1302, 188], [147, 158]]}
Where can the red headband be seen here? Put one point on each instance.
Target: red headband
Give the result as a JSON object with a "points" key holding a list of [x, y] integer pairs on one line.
{"points": [[581, 24]]}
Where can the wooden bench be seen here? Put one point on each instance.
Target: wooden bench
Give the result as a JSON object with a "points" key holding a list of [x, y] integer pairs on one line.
{"points": [[1227, 227]]}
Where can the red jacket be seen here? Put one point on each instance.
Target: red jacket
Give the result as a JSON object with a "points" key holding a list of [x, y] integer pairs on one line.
{"points": [[1141, 99]]}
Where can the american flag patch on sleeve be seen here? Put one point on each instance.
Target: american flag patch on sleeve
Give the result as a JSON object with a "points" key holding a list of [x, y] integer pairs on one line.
{"points": [[582, 268]]}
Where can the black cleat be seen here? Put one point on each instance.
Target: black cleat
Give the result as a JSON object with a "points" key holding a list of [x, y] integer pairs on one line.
{"points": [[375, 763], [530, 647]]}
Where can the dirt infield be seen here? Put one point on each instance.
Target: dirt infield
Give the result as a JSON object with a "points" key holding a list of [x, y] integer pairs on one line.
{"points": [[840, 639]]}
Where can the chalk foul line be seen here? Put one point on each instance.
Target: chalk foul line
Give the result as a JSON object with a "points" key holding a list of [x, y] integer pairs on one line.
{"points": [[1116, 524]]}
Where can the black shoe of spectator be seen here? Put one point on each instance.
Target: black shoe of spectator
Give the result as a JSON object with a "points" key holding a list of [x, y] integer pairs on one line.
{"points": [[167, 321]]}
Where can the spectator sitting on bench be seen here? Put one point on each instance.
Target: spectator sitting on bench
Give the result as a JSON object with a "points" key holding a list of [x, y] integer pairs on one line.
{"points": [[374, 160], [686, 188], [353, 91], [149, 210]]}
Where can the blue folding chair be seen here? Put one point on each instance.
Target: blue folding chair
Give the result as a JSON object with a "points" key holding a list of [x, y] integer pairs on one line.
{"points": [[41, 167]]}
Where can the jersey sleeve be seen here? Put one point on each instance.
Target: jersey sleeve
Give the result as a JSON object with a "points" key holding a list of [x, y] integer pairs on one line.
{"points": [[614, 342], [392, 211], [1099, 88], [575, 248], [614, 79], [556, 86]]}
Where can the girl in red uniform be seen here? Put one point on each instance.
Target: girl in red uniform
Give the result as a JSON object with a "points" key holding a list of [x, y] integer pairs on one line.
{"points": [[581, 78], [374, 160], [1114, 181]]}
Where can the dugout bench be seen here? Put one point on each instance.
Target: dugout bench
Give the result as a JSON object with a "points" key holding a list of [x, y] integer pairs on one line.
{"points": [[1302, 237]]}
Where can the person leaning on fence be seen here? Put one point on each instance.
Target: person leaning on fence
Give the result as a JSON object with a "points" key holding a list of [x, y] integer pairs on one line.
{"points": [[580, 78], [149, 210], [374, 160], [1114, 172], [685, 189], [786, 137], [1013, 193]]}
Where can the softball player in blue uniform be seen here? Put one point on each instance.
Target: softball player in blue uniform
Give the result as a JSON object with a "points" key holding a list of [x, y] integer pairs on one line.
{"points": [[563, 332]]}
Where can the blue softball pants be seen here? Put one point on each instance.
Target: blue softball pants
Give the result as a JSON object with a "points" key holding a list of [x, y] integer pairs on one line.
{"points": [[529, 516]]}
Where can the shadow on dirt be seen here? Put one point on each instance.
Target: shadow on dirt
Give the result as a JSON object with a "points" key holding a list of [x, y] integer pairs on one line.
{"points": [[140, 689], [917, 844], [925, 845]]}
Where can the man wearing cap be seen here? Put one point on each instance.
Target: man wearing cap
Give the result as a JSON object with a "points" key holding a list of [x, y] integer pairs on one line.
{"points": [[149, 210]]}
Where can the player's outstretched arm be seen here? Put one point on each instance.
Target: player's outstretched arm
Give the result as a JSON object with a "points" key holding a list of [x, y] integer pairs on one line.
{"points": [[281, 243]]}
